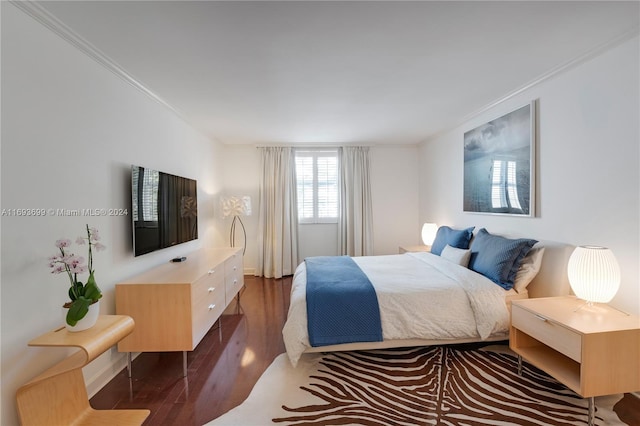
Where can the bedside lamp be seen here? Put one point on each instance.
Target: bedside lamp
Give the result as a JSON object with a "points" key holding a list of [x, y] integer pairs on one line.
{"points": [[594, 274], [236, 207], [429, 231]]}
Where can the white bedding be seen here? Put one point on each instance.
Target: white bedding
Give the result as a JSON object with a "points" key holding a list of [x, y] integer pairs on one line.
{"points": [[421, 296]]}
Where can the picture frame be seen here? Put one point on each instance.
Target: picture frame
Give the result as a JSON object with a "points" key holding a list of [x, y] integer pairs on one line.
{"points": [[499, 165]]}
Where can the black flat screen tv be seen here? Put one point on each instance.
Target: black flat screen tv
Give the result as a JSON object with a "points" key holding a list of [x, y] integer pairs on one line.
{"points": [[164, 209]]}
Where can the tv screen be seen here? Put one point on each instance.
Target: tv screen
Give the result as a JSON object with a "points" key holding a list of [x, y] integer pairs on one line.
{"points": [[164, 209]]}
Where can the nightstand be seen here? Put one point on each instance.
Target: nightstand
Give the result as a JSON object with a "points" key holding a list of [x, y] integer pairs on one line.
{"points": [[406, 249], [593, 350]]}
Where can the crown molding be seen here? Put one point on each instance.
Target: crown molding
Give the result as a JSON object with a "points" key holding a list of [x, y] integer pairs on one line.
{"points": [[579, 60], [44, 17]]}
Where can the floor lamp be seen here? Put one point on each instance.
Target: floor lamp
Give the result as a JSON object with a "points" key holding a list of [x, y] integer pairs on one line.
{"points": [[236, 207]]}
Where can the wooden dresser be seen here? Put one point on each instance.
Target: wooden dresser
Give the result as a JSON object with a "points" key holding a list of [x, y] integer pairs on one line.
{"points": [[175, 304]]}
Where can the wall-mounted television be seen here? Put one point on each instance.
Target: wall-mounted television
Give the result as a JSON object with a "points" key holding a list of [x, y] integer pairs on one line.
{"points": [[164, 210]]}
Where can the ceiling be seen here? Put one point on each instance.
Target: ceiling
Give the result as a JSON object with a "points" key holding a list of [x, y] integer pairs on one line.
{"points": [[340, 72]]}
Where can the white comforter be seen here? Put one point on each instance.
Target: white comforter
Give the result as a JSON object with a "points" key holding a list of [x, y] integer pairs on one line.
{"points": [[421, 296]]}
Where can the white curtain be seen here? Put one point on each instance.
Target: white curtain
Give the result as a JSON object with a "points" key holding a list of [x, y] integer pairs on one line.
{"points": [[278, 217], [355, 235]]}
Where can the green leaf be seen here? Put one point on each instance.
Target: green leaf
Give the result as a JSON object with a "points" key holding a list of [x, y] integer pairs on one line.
{"points": [[78, 289], [91, 290], [78, 310]]}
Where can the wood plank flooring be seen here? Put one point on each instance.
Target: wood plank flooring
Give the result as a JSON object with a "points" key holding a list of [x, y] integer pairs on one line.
{"points": [[222, 372]]}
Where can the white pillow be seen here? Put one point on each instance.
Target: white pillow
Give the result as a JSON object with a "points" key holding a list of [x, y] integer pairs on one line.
{"points": [[528, 269], [456, 255]]}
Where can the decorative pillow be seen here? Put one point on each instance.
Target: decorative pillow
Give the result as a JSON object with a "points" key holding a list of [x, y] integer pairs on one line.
{"points": [[498, 258], [529, 268], [456, 255], [458, 238]]}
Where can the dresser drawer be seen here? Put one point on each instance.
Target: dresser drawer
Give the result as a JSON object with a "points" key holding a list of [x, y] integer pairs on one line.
{"points": [[208, 290], [213, 281], [233, 266], [209, 308], [234, 276], [206, 310], [548, 332], [213, 275]]}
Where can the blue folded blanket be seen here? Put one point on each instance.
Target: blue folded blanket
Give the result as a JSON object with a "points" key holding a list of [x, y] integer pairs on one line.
{"points": [[342, 306]]}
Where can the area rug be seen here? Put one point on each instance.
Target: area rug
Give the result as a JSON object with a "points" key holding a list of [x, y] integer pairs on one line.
{"points": [[439, 385]]}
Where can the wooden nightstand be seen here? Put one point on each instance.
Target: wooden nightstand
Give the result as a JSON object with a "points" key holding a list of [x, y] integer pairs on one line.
{"points": [[406, 249], [593, 350]]}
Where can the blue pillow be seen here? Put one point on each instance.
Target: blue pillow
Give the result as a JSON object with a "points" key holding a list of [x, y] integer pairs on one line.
{"points": [[454, 237], [498, 258]]}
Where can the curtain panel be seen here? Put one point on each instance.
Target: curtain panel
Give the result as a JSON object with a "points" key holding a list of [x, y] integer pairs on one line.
{"points": [[355, 223], [278, 216]]}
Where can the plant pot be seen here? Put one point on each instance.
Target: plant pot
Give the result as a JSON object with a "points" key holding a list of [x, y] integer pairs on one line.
{"points": [[85, 323]]}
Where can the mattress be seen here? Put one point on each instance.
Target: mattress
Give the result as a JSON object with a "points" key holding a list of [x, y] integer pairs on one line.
{"points": [[422, 298]]}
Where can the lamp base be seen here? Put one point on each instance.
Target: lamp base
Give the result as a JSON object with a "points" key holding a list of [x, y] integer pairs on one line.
{"points": [[587, 303], [232, 234], [590, 304]]}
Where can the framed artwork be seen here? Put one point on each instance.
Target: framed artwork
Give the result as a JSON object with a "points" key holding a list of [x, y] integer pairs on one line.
{"points": [[499, 165]]}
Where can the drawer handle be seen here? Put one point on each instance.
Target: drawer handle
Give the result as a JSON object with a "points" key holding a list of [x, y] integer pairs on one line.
{"points": [[235, 267], [211, 307], [235, 281], [212, 271], [541, 318], [211, 289]]}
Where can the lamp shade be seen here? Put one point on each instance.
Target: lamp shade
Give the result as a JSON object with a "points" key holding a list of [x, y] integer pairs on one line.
{"points": [[429, 231], [235, 206], [594, 273]]}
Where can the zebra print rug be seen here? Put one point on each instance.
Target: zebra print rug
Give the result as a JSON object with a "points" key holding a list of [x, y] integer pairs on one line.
{"points": [[439, 385]]}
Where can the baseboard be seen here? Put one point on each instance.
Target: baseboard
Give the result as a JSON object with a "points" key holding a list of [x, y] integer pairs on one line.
{"points": [[249, 271]]}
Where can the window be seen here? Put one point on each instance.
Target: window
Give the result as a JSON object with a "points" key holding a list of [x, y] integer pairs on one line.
{"points": [[145, 194], [504, 187], [317, 185]]}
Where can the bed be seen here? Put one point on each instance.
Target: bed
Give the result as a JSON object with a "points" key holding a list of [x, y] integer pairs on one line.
{"points": [[423, 299]]}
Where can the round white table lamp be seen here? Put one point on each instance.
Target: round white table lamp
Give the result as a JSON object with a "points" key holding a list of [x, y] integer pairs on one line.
{"points": [[594, 274], [429, 231]]}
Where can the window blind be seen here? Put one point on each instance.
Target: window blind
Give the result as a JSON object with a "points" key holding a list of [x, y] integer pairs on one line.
{"points": [[317, 186]]}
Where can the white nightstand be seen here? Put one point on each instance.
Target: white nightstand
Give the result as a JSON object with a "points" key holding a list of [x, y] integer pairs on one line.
{"points": [[405, 249], [593, 350]]}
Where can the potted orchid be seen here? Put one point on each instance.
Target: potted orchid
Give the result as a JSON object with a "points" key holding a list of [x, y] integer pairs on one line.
{"points": [[81, 296]]}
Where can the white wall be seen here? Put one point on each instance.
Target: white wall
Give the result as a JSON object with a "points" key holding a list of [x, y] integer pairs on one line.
{"points": [[394, 180], [395, 183], [70, 132], [242, 176], [588, 162]]}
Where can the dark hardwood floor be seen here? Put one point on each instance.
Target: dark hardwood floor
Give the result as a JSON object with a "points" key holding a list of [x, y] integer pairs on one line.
{"points": [[221, 372]]}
